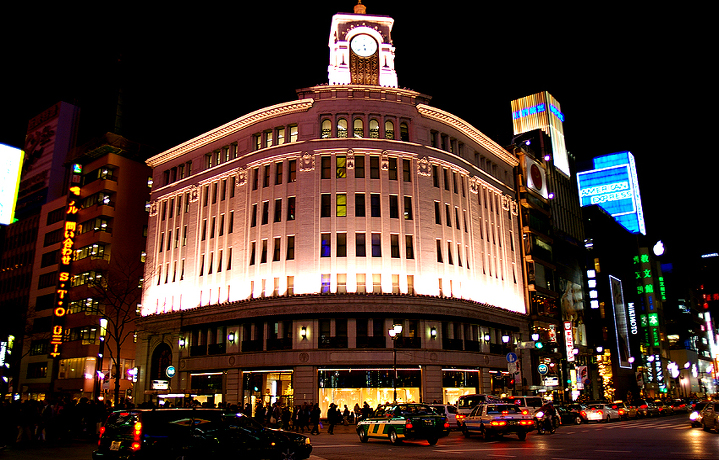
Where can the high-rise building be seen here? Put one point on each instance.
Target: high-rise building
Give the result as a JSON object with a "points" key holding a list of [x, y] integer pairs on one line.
{"points": [[336, 248], [553, 251]]}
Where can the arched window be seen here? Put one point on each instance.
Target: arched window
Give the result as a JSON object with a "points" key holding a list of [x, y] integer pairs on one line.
{"points": [[161, 359], [374, 129], [326, 129], [404, 132], [341, 127], [388, 130], [358, 128]]}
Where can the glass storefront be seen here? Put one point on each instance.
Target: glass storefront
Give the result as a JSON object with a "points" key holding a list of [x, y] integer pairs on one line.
{"points": [[267, 387], [459, 382], [374, 386]]}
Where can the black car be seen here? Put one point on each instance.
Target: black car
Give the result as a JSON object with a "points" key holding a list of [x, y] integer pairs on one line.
{"points": [[572, 414], [194, 433]]}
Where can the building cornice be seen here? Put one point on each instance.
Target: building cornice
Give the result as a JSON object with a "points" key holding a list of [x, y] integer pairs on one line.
{"points": [[468, 130], [232, 127]]}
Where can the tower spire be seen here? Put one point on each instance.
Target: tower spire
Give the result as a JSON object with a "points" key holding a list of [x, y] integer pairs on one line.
{"points": [[360, 8]]}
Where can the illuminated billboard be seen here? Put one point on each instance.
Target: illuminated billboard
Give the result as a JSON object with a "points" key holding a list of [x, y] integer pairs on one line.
{"points": [[613, 185], [10, 169], [542, 111]]}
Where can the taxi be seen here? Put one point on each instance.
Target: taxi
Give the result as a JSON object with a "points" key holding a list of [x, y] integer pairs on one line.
{"points": [[400, 422], [497, 420]]}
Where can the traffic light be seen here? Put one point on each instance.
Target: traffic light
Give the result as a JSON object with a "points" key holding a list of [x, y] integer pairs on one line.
{"points": [[538, 345]]}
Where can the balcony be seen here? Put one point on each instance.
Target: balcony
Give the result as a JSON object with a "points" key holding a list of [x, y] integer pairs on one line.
{"points": [[252, 345], [198, 350], [279, 344], [371, 342], [472, 345], [216, 349], [453, 344], [332, 342], [409, 342]]}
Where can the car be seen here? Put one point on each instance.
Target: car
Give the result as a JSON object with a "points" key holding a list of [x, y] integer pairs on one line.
{"points": [[601, 412], [572, 413], [193, 434], [400, 422], [497, 419], [466, 403], [710, 416], [679, 406], [449, 411], [664, 407], [530, 403], [622, 409], [646, 408], [695, 416]]}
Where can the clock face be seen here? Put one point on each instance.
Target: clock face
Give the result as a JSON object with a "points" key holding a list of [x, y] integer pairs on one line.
{"points": [[363, 45]]}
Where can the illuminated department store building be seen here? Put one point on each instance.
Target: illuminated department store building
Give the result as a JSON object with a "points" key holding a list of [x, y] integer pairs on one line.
{"points": [[284, 246]]}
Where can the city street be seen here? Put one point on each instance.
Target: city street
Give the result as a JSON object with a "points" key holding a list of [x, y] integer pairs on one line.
{"points": [[653, 438]]}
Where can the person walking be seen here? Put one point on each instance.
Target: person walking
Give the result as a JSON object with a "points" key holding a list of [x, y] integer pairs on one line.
{"points": [[331, 418], [315, 419]]}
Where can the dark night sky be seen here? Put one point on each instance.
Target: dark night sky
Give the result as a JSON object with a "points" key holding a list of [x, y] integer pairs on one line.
{"points": [[626, 78]]}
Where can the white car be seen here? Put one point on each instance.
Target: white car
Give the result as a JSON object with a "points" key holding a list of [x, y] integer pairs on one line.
{"points": [[448, 411], [602, 413]]}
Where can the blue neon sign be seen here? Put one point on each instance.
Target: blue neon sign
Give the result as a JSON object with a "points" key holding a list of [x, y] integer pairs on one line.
{"points": [[613, 186], [535, 109]]}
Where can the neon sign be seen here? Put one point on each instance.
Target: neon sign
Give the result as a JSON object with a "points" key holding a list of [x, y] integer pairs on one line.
{"points": [[535, 109], [58, 329]]}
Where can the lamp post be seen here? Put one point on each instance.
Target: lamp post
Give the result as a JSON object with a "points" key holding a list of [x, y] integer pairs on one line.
{"points": [[394, 333]]}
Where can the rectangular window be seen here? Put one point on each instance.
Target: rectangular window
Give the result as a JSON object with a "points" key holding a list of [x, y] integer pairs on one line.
{"points": [[341, 167], [325, 289], [409, 247], [253, 250], [359, 167], [394, 207], [394, 246], [437, 214], [407, 170], [265, 212], [374, 167], [435, 176], [376, 283], [255, 178], [253, 217], [291, 208], [266, 176], [278, 210], [290, 248], [360, 205], [326, 167], [276, 249], [360, 245], [325, 245], [341, 204], [375, 205], [341, 283], [439, 251], [456, 218], [376, 245], [263, 255], [341, 245], [392, 170], [229, 260], [292, 173], [294, 133], [231, 222], [278, 173], [450, 260], [447, 215], [408, 208], [361, 283], [445, 173], [325, 205]]}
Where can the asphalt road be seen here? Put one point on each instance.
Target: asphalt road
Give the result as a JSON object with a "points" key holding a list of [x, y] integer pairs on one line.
{"points": [[653, 438]]}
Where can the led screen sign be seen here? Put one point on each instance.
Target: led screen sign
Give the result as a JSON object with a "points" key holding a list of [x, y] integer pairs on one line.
{"points": [[11, 160], [542, 111], [613, 186]]}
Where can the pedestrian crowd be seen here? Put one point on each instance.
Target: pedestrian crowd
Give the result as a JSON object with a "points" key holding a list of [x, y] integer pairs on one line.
{"points": [[54, 420]]}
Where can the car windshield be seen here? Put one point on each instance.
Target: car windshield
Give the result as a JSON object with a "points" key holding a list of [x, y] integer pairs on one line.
{"points": [[699, 406], [414, 409], [503, 409]]}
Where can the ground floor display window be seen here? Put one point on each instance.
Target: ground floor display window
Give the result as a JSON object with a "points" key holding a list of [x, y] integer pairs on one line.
{"points": [[374, 386], [267, 388], [459, 382]]}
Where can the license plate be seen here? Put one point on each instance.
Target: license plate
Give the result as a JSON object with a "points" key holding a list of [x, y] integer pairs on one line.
{"points": [[428, 422], [115, 445], [512, 422]]}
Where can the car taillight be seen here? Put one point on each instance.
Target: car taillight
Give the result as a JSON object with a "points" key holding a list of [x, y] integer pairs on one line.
{"points": [[460, 417], [643, 406], [409, 426], [498, 423], [136, 436], [526, 422], [583, 414], [525, 412], [621, 411], [600, 412], [102, 431]]}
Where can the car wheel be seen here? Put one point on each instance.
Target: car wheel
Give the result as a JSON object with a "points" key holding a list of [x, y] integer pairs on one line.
{"points": [[362, 435], [432, 441], [465, 431], [607, 419], [704, 426], [484, 434], [393, 438], [578, 420], [288, 454], [522, 435]]}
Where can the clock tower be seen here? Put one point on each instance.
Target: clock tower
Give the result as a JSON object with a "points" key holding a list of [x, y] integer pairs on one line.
{"points": [[361, 50]]}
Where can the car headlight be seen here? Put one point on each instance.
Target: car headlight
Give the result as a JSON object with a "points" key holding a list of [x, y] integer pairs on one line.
{"points": [[693, 416], [307, 441]]}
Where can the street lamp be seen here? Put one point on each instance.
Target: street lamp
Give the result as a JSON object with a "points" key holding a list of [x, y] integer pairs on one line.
{"points": [[394, 333]]}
